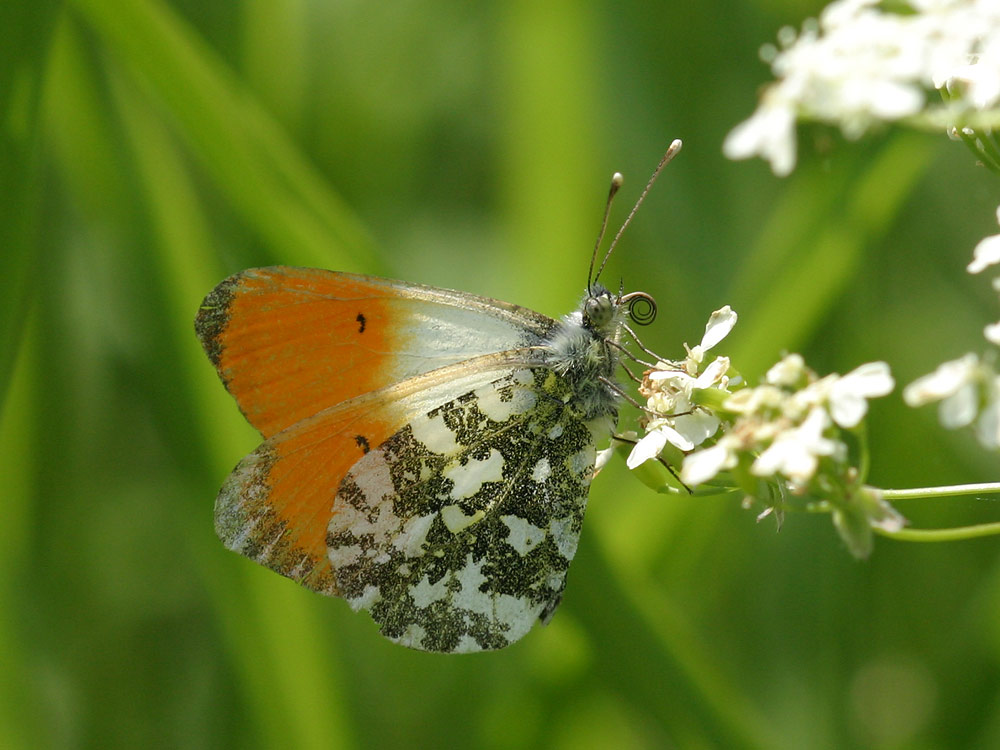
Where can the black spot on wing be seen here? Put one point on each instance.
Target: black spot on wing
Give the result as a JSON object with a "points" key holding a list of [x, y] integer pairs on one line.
{"points": [[361, 322]]}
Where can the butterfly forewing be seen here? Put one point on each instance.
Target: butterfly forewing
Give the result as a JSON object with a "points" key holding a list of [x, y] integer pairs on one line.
{"points": [[290, 342]]}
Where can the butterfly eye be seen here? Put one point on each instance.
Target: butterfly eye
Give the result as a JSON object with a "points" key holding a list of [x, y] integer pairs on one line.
{"points": [[599, 309]]}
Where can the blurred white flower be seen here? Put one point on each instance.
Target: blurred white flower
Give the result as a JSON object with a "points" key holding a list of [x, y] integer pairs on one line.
{"points": [[848, 401], [760, 400], [702, 465], [769, 133], [862, 63], [969, 392], [795, 452], [988, 426], [954, 384], [986, 253], [789, 372]]}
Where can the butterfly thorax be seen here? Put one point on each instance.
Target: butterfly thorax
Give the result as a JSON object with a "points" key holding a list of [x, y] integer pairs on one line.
{"points": [[582, 349]]}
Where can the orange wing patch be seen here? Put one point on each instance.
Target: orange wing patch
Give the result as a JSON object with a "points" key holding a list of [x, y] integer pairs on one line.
{"points": [[277, 504], [289, 342]]}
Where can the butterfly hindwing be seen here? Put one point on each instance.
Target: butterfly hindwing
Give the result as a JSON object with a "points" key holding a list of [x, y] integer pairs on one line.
{"points": [[456, 533]]}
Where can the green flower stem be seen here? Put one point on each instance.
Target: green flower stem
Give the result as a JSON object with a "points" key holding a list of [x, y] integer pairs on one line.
{"points": [[943, 118], [945, 491], [941, 535]]}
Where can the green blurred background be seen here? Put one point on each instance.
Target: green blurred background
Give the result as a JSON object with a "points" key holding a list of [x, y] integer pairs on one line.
{"points": [[150, 148]]}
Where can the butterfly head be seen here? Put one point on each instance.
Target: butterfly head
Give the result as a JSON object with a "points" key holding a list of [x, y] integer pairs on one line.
{"points": [[601, 311]]}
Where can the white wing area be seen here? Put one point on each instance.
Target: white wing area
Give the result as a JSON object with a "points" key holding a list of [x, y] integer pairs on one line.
{"points": [[456, 533]]}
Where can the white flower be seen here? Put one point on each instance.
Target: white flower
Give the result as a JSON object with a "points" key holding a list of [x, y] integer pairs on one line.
{"points": [[789, 372], [978, 81], [953, 383], [653, 443], [761, 399], [969, 391], [669, 393], [696, 427], [720, 323], [795, 452], [848, 395], [704, 464], [862, 64], [986, 253], [992, 333], [988, 426], [769, 133]]}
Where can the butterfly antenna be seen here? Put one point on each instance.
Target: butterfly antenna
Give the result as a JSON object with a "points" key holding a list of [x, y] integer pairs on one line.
{"points": [[616, 182], [670, 154]]}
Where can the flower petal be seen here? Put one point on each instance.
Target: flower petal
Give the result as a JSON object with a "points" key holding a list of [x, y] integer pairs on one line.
{"points": [[992, 333], [959, 409], [848, 410], [696, 427], [943, 382], [849, 394], [648, 447], [869, 380], [986, 254], [720, 323], [988, 426], [675, 438], [713, 373], [702, 465], [769, 132]]}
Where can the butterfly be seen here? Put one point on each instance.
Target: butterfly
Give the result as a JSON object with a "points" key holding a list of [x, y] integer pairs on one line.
{"points": [[427, 453]]}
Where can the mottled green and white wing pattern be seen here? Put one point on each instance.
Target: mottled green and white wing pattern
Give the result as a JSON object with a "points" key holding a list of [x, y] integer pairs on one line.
{"points": [[457, 531]]}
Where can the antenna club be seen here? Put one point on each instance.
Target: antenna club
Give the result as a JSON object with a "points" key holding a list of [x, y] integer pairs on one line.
{"points": [[617, 180]]}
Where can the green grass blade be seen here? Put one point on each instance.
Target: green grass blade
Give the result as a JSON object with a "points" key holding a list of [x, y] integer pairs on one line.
{"points": [[256, 166]]}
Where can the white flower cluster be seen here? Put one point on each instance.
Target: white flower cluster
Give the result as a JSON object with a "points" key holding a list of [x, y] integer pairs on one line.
{"points": [[787, 436], [671, 389], [790, 422], [861, 64], [784, 426], [968, 388]]}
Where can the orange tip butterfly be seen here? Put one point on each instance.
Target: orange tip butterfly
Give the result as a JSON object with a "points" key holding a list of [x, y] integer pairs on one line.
{"points": [[427, 453]]}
